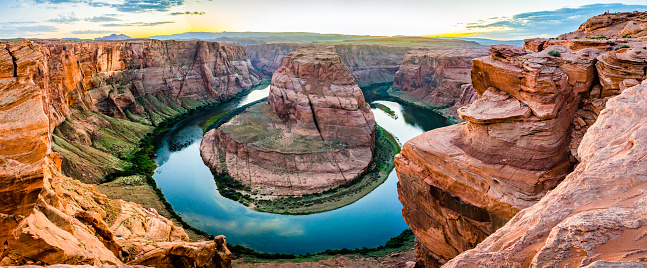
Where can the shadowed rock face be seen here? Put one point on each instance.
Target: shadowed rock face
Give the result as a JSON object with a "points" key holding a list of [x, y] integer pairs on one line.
{"points": [[368, 64], [47, 217], [436, 77], [320, 132], [512, 150], [596, 214]]}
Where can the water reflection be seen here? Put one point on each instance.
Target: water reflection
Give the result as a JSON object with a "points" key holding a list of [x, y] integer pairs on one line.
{"points": [[189, 186]]}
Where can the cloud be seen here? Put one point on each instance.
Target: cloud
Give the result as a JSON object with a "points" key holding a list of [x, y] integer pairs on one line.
{"points": [[188, 13], [65, 18], [138, 6], [93, 32], [138, 24], [104, 18], [130, 6], [58, 1], [545, 23]]}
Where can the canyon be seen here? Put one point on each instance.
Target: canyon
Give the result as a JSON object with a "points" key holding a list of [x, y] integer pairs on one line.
{"points": [[531, 179], [48, 217], [316, 132]]}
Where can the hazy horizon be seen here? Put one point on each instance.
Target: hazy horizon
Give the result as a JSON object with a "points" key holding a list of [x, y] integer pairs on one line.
{"points": [[501, 19]]}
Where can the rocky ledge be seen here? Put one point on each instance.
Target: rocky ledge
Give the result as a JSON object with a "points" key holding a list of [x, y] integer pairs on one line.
{"points": [[48, 218], [596, 216], [316, 131], [460, 183]]}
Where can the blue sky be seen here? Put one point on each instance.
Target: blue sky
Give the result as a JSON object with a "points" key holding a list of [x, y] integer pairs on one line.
{"points": [[497, 19]]}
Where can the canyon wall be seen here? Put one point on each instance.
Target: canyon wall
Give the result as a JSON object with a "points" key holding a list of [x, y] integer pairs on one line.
{"points": [[106, 96], [47, 217], [596, 216], [535, 119], [317, 130], [438, 78], [369, 63]]}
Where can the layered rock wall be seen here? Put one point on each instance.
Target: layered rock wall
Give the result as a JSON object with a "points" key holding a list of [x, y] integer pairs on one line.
{"points": [[319, 131], [596, 216], [436, 77], [48, 218], [460, 183]]}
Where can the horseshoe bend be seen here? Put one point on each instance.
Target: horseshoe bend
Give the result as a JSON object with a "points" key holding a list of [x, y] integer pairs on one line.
{"points": [[298, 149]]}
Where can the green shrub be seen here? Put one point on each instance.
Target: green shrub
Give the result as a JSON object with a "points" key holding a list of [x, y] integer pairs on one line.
{"points": [[621, 47], [554, 53]]}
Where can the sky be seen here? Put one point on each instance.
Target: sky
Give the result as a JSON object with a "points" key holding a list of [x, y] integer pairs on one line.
{"points": [[495, 19]]}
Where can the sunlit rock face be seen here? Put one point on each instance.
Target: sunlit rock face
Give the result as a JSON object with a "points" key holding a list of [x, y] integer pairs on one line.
{"points": [[48, 218], [596, 216], [460, 183], [320, 130]]}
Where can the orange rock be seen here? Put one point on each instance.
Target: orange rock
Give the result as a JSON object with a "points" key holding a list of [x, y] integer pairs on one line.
{"points": [[319, 131], [596, 215], [436, 77], [460, 183]]}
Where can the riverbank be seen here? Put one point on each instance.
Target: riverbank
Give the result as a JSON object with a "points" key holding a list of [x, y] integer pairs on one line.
{"points": [[136, 184], [386, 147]]}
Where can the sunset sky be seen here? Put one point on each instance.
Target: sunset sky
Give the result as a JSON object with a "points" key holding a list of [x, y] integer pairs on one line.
{"points": [[496, 19]]}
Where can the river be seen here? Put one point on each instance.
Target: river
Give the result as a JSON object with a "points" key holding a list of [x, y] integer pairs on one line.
{"points": [[189, 187]]}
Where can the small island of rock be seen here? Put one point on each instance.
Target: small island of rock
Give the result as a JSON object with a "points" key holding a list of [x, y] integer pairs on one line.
{"points": [[316, 131]]}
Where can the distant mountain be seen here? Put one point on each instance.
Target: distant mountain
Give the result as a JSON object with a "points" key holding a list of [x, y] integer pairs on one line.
{"points": [[488, 42], [113, 37]]}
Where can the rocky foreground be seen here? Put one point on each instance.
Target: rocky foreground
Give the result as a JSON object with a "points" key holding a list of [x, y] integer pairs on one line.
{"points": [[47, 217], [315, 133], [538, 115]]}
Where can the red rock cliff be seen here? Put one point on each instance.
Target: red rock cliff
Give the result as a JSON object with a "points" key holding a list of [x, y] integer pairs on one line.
{"points": [[436, 77], [318, 131], [48, 218], [460, 183]]}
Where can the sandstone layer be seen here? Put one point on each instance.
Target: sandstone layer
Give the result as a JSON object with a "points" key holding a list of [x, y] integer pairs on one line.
{"points": [[436, 77], [460, 183], [623, 25], [48, 218], [316, 131], [369, 61], [596, 216], [122, 88]]}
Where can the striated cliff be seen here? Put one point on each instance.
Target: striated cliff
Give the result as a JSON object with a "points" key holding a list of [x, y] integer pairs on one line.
{"points": [[106, 96], [315, 133], [537, 115], [460, 183], [369, 62], [596, 216], [438, 78], [47, 217]]}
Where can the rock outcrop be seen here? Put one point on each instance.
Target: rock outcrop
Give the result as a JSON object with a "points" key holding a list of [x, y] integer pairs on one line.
{"points": [[315, 133], [596, 216], [460, 183], [612, 25], [436, 77], [136, 84], [47, 217], [369, 61]]}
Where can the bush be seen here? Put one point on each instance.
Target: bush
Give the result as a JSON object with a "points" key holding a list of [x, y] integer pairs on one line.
{"points": [[554, 53]]}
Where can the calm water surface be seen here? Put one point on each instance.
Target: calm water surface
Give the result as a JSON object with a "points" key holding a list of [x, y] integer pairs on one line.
{"points": [[189, 186]]}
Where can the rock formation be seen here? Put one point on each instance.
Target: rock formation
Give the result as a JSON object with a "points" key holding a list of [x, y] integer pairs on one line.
{"points": [[460, 183], [436, 77], [140, 81], [613, 25], [369, 61], [47, 217], [316, 131], [596, 216]]}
